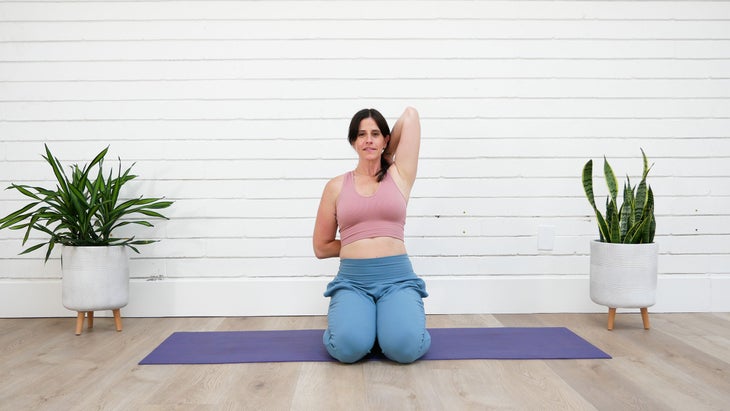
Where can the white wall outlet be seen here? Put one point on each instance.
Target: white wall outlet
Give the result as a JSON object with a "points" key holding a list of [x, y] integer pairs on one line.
{"points": [[545, 237]]}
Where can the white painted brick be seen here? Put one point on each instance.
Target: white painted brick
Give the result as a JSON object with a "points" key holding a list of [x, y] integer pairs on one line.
{"points": [[238, 111]]}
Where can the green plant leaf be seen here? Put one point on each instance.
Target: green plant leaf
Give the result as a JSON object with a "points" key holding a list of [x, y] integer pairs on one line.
{"points": [[57, 171], [634, 220], [612, 218], [636, 233], [588, 182], [138, 222], [649, 212], [81, 210], [17, 216], [50, 248], [24, 190], [33, 221], [46, 192], [152, 214], [642, 232], [587, 179], [611, 181], [646, 165], [33, 248]]}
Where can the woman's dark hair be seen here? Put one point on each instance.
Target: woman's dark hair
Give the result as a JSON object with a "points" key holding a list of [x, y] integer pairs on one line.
{"points": [[384, 130]]}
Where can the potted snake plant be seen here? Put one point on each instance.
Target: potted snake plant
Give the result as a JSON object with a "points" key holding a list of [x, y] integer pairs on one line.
{"points": [[623, 260], [81, 213]]}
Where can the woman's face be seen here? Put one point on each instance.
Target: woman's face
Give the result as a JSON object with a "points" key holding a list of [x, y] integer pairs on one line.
{"points": [[370, 142]]}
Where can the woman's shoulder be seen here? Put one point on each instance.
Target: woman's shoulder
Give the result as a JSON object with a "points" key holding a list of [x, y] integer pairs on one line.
{"points": [[340, 179], [334, 185]]}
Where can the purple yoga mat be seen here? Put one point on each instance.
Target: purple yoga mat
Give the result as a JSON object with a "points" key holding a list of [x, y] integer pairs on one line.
{"points": [[225, 347]]}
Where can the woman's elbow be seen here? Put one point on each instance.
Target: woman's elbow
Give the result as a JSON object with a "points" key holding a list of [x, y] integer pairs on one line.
{"points": [[319, 253], [411, 113], [324, 250]]}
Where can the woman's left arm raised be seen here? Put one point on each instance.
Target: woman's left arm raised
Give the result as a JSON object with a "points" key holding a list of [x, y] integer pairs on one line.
{"points": [[404, 145]]}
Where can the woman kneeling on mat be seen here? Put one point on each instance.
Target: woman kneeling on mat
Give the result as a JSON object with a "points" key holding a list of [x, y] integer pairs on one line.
{"points": [[376, 294]]}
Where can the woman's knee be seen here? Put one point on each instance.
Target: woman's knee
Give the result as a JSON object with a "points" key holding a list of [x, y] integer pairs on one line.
{"points": [[404, 345], [350, 332], [349, 346]]}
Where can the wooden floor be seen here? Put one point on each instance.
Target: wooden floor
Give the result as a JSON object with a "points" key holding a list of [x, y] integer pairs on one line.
{"points": [[682, 363]]}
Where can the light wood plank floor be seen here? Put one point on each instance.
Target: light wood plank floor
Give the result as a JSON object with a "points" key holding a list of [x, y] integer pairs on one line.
{"points": [[682, 363]]}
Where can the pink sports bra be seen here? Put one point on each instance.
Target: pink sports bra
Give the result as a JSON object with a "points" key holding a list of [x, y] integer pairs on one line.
{"points": [[382, 214]]}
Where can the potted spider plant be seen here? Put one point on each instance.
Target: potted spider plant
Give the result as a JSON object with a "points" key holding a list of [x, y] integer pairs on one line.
{"points": [[623, 261], [81, 214]]}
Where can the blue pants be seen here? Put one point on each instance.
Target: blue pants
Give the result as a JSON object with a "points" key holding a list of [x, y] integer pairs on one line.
{"points": [[376, 298]]}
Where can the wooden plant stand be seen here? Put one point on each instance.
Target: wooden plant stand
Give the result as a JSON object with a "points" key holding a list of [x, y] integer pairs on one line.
{"points": [[612, 317], [90, 316]]}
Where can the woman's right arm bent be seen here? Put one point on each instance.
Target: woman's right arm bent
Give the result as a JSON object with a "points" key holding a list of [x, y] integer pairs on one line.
{"points": [[405, 143], [325, 226]]}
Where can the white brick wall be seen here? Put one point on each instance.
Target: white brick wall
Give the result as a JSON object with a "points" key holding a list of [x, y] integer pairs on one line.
{"points": [[238, 110]]}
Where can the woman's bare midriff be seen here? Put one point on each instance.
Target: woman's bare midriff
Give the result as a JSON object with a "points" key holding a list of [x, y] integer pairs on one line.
{"points": [[373, 248]]}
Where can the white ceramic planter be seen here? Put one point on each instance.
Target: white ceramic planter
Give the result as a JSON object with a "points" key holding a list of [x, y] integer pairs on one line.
{"points": [[95, 278], [623, 275]]}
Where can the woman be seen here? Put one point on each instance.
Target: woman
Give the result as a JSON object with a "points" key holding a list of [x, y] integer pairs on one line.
{"points": [[376, 294]]}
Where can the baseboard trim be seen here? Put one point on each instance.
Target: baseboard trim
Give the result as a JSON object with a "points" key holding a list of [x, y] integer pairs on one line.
{"points": [[303, 296]]}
